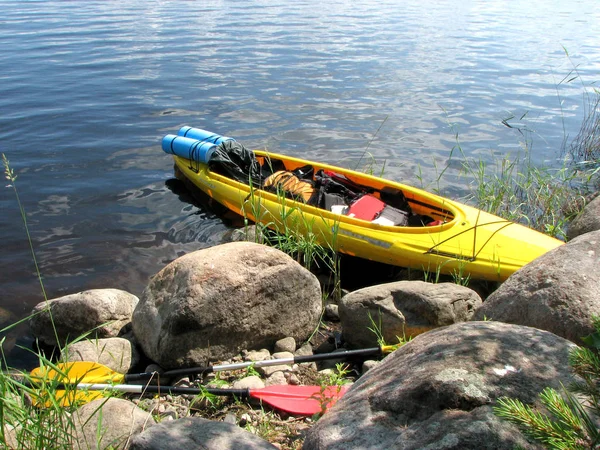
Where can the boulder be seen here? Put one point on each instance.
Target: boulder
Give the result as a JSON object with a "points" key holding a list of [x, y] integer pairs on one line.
{"points": [[197, 433], [109, 423], [97, 313], [212, 303], [557, 292], [118, 354], [438, 390], [403, 309], [588, 220]]}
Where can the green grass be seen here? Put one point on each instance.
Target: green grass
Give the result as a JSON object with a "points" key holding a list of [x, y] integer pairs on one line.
{"points": [[543, 198], [31, 412], [295, 234]]}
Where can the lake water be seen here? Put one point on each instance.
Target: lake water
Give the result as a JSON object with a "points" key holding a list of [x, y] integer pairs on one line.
{"points": [[88, 89]]}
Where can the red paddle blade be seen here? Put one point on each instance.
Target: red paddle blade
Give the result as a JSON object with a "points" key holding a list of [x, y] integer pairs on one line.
{"points": [[300, 400]]}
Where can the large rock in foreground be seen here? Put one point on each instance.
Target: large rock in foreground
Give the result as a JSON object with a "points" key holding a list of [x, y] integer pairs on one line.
{"points": [[211, 304], [403, 309], [97, 313], [197, 433], [558, 292], [438, 390]]}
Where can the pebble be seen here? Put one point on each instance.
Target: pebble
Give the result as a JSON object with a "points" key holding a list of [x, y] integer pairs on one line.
{"points": [[256, 355], [293, 379], [287, 344], [169, 415], [283, 355], [305, 350], [368, 365], [276, 379], [230, 418], [270, 370], [251, 382], [332, 313], [245, 419]]}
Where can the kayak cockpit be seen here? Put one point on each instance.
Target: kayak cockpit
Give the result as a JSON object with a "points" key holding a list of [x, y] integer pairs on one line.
{"points": [[349, 193]]}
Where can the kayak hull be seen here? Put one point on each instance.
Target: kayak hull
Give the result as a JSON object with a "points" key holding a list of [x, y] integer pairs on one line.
{"points": [[467, 242]]}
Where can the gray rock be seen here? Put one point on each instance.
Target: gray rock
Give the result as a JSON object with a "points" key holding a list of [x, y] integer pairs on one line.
{"points": [[304, 350], [287, 344], [588, 220], [251, 382], [557, 292], [101, 313], [283, 355], [270, 370], [368, 365], [403, 309], [117, 354], [332, 312], [438, 390], [211, 304], [276, 379], [197, 433], [256, 355], [109, 423]]}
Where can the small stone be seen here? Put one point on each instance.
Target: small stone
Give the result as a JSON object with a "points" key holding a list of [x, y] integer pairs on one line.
{"points": [[283, 355], [256, 355], [293, 379], [287, 344], [332, 313], [230, 418], [327, 372], [169, 415], [276, 379], [251, 382], [245, 419], [305, 350], [368, 365], [270, 370]]}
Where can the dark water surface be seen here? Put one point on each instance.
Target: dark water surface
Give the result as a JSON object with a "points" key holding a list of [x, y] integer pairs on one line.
{"points": [[88, 88]]}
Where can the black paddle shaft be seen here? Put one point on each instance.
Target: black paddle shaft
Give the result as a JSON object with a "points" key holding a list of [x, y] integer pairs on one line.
{"points": [[271, 362]]}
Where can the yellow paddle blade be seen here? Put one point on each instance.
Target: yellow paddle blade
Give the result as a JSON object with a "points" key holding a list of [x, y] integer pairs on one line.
{"points": [[64, 398], [77, 372]]}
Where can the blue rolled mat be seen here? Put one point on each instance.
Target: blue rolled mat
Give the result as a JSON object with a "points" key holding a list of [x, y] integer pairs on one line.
{"points": [[202, 135], [189, 148]]}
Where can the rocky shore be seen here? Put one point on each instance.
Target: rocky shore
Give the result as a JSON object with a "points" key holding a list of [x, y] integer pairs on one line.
{"points": [[243, 301]]}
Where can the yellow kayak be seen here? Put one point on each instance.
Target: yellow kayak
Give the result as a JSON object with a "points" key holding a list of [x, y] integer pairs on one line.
{"points": [[460, 240]]}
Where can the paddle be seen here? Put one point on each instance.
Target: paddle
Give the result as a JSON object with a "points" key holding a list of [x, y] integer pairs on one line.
{"points": [[296, 400], [90, 372]]}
